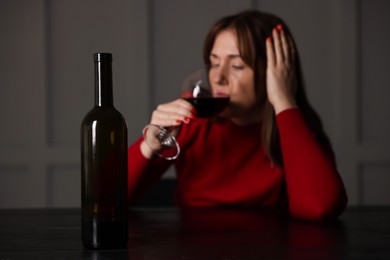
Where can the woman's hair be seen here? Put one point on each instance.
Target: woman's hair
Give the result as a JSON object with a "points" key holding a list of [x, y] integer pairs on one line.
{"points": [[252, 29]]}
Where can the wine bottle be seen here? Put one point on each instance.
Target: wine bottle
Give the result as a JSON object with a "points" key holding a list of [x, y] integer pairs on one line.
{"points": [[104, 166]]}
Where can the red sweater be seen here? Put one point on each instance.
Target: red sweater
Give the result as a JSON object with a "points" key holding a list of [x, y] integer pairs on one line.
{"points": [[222, 164]]}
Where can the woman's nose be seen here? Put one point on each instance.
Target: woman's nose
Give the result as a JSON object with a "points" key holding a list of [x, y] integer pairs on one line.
{"points": [[220, 76]]}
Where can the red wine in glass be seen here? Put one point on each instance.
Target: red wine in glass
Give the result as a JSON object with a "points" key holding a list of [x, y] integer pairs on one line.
{"points": [[208, 106]]}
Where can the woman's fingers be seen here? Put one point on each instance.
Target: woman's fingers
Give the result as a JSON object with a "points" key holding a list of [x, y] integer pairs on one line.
{"points": [[279, 55], [284, 44], [173, 113], [280, 49], [165, 119], [270, 52]]}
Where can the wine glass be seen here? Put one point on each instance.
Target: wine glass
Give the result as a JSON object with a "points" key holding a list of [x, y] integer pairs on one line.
{"points": [[197, 90]]}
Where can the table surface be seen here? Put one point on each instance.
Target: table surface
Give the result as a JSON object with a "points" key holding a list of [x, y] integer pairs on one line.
{"points": [[170, 233]]}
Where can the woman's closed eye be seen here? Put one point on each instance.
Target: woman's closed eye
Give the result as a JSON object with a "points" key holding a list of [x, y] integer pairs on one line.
{"points": [[238, 66]]}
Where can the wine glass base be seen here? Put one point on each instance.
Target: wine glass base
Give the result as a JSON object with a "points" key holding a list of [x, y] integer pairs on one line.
{"points": [[160, 140]]}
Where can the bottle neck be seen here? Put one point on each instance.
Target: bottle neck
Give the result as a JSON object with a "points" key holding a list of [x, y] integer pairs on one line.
{"points": [[103, 83]]}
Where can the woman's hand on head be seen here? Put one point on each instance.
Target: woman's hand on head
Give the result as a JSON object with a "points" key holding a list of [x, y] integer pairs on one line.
{"points": [[281, 78]]}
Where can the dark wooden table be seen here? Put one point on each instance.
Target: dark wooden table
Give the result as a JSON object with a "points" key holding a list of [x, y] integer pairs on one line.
{"points": [[169, 233]]}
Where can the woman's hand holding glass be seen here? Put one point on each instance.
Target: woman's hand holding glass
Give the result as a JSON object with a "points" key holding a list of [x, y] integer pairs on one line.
{"points": [[163, 128], [197, 98]]}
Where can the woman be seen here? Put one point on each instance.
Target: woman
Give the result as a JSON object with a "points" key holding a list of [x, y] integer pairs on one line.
{"points": [[268, 148]]}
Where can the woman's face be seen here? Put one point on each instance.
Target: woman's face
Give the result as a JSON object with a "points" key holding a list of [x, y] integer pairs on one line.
{"points": [[230, 75]]}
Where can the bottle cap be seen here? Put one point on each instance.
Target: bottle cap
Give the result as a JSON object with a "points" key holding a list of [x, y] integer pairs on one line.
{"points": [[102, 57]]}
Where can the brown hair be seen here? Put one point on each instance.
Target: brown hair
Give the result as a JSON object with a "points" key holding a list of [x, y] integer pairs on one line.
{"points": [[252, 29]]}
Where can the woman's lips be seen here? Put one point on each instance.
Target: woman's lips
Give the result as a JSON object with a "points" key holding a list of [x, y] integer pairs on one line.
{"points": [[220, 94]]}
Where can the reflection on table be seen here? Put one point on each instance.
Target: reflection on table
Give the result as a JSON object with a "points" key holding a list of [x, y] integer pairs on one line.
{"points": [[232, 234], [170, 233]]}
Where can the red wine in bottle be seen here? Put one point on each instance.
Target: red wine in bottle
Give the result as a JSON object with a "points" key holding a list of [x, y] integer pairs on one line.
{"points": [[208, 107], [104, 166]]}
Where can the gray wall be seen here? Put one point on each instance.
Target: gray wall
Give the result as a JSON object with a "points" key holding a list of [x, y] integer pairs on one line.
{"points": [[46, 81]]}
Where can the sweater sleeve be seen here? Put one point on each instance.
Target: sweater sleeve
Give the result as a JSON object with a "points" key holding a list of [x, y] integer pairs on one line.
{"points": [[314, 186], [142, 172]]}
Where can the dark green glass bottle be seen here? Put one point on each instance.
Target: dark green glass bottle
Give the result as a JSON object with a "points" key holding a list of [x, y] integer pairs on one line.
{"points": [[104, 166]]}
